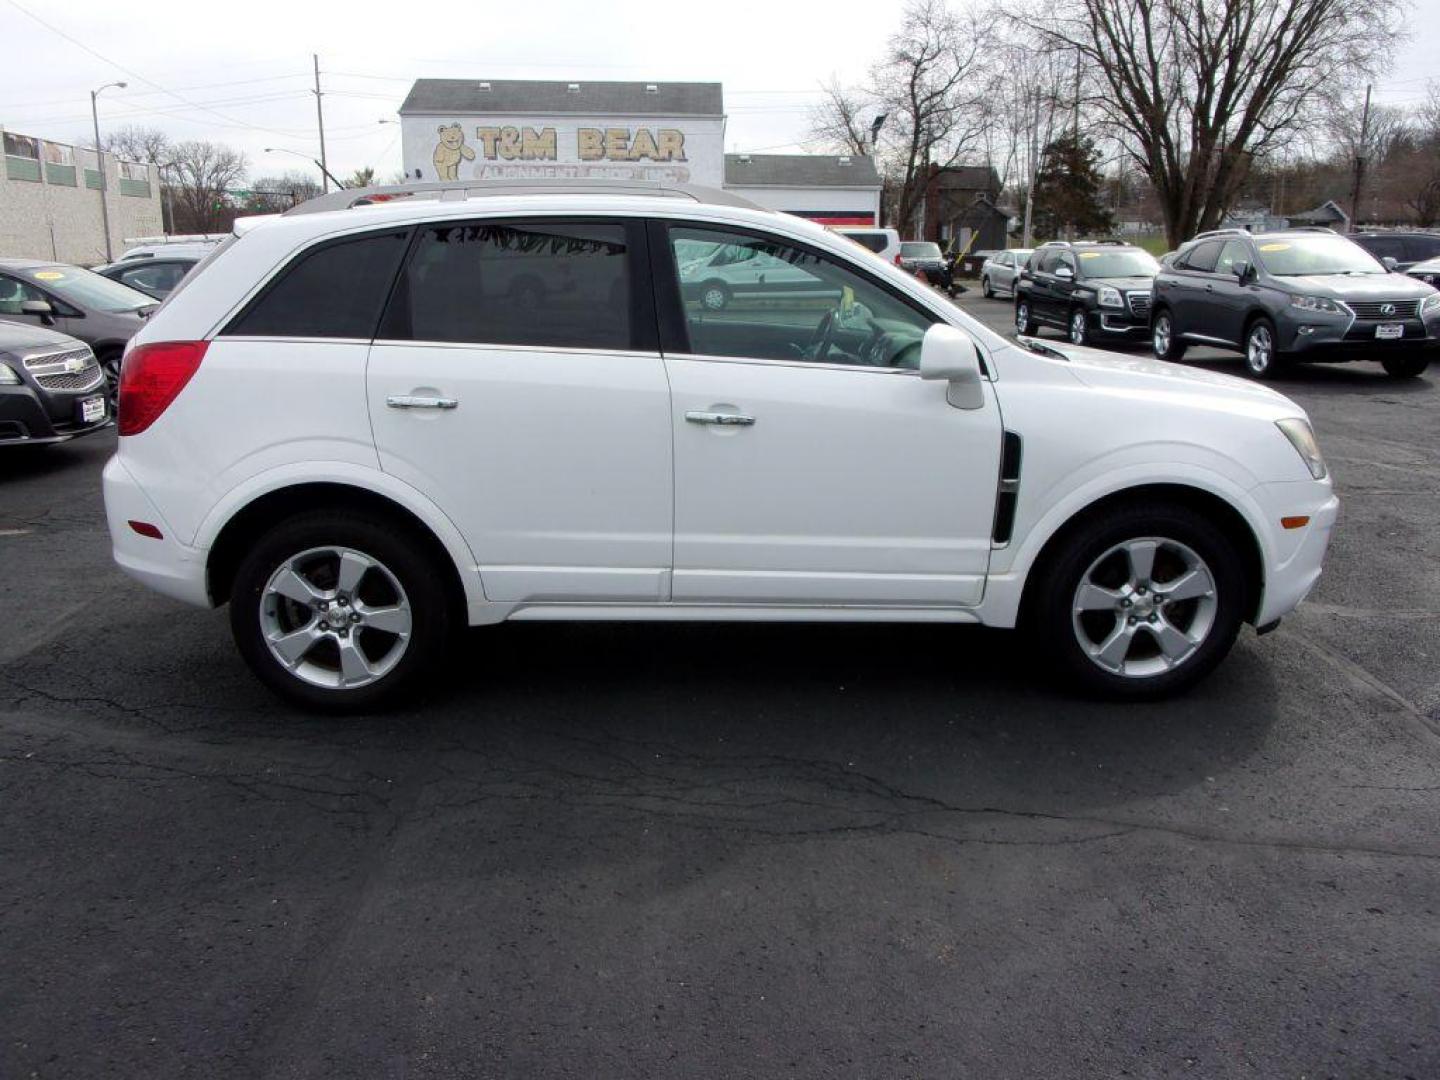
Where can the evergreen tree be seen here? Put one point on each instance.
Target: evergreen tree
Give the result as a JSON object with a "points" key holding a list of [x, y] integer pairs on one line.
{"points": [[1069, 191]]}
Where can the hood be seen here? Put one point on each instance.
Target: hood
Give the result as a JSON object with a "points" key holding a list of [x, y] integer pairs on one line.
{"points": [[17, 336], [1356, 287], [1142, 374], [1124, 284]]}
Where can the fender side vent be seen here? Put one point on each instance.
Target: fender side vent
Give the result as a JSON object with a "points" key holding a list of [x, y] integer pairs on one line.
{"points": [[1009, 491]]}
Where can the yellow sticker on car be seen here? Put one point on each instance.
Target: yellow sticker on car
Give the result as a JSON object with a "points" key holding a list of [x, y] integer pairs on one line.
{"points": [[1274, 247], [49, 275], [1091, 254]]}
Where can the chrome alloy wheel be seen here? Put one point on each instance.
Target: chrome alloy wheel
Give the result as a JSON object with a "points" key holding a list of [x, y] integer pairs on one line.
{"points": [[714, 298], [1144, 607], [1259, 349], [1022, 316], [335, 617], [1079, 327], [1162, 335]]}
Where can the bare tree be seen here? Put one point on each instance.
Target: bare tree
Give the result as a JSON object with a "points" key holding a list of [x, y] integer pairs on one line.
{"points": [[836, 122], [135, 143], [203, 173], [1198, 90], [1028, 106], [932, 86], [276, 194]]}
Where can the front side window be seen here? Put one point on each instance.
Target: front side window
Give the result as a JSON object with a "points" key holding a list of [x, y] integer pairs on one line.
{"points": [[335, 290], [762, 298], [556, 284], [1234, 251], [13, 293]]}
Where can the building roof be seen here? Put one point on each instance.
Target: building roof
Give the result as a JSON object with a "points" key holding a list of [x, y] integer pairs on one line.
{"points": [[522, 97], [1329, 210], [800, 170], [967, 177]]}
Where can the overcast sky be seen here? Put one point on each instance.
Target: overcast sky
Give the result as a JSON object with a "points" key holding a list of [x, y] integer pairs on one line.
{"points": [[241, 73]]}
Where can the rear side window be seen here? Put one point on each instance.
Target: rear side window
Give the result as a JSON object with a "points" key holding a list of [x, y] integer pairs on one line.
{"points": [[1422, 248], [336, 290], [875, 241], [558, 284], [1202, 257]]}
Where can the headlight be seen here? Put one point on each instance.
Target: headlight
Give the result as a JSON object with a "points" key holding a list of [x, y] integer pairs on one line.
{"points": [[1314, 303], [1430, 303], [8, 376], [1110, 297], [1302, 438]]}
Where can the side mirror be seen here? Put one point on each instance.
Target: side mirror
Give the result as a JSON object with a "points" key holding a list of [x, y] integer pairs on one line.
{"points": [[39, 307], [1064, 272], [1242, 270], [1390, 263], [948, 354]]}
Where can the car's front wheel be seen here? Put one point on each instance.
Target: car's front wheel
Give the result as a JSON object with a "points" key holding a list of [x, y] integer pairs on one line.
{"points": [[1142, 601], [985, 289], [1024, 318], [1079, 327], [1261, 358], [1404, 367], [337, 610], [1163, 338]]}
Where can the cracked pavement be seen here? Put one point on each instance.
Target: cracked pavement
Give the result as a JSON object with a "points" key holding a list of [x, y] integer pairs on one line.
{"points": [[724, 851]]}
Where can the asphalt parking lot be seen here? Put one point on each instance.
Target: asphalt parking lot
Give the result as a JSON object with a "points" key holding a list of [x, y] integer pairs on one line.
{"points": [[727, 851]]}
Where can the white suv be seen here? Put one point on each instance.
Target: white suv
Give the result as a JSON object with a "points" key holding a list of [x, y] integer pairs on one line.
{"points": [[363, 427]]}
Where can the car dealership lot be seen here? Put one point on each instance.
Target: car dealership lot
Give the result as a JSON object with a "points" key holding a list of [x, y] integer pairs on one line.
{"points": [[729, 850]]}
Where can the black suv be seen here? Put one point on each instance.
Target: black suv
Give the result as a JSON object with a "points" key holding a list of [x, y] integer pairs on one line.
{"points": [[1090, 289], [1298, 294], [1406, 248]]}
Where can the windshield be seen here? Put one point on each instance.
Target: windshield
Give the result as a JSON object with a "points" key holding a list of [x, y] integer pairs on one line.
{"points": [[1126, 262], [88, 291], [1298, 256], [920, 251]]}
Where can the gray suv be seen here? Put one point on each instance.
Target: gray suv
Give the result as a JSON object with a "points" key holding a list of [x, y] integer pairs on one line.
{"points": [[1298, 294]]}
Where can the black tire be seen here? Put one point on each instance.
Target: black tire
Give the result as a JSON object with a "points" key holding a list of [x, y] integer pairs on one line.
{"points": [[1263, 360], [1024, 317], [1404, 367], [1173, 347], [1052, 596], [109, 362], [1078, 327], [985, 289], [399, 551], [714, 296]]}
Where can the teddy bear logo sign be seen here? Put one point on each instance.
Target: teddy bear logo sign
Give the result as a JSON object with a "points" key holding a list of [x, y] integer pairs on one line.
{"points": [[449, 150]]}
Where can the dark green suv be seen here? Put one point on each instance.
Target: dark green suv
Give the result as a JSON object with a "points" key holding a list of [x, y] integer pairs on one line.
{"points": [[1299, 294], [1092, 289]]}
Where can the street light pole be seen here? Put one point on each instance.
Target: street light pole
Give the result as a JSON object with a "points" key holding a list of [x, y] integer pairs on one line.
{"points": [[305, 157], [100, 163]]}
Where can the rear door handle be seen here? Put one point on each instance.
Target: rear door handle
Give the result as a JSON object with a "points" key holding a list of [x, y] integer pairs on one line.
{"points": [[723, 418], [410, 401]]}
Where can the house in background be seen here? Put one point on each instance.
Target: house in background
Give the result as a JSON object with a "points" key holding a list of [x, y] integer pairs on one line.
{"points": [[959, 208], [841, 190], [1327, 213]]}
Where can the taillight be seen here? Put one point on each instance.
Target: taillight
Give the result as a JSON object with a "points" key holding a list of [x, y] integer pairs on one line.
{"points": [[150, 379], [897, 259]]}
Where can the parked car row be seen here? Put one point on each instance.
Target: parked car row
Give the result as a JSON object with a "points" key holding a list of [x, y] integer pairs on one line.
{"points": [[1274, 297]]}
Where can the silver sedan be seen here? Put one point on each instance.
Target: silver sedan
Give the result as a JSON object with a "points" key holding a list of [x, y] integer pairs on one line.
{"points": [[998, 274]]}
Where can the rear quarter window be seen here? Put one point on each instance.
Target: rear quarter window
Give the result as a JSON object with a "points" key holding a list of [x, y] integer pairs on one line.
{"points": [[335, 290], [873, 240]]}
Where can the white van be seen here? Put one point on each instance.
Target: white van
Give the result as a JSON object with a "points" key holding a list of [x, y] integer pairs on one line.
{"points": [[883, 242]]}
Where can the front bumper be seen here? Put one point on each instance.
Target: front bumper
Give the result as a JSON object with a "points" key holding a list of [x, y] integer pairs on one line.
{"points": [[1338, 339], [1296, 556], [165, 565], [34, 419]]}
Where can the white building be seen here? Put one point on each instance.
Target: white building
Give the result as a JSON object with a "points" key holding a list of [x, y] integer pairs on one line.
{"points": [[511, 128], [50, 201]]}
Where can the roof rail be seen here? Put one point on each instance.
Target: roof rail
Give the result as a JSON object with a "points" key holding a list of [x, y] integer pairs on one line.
{"points": [[1231, 230], [1311, 228], [458, 190]]}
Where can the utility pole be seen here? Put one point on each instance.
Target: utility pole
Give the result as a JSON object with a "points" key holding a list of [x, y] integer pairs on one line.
{"points": [[320, 122], [1360, 162]]}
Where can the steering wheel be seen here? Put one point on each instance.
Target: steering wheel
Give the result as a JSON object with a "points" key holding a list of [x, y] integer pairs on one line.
{"points": [[820, 340]]}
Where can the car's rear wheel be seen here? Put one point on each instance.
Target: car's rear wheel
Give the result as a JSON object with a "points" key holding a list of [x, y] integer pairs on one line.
{"points": [[1404, 367], [1024, 318], [1141, 602], [336, 610], [1261, 358], [714, 295], [985, 289], [1079, 332], [1163, 338]]}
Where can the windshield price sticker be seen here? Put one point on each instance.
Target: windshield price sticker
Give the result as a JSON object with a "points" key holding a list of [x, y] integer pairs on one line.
{"points": [[49, 275], [1274, 247]]}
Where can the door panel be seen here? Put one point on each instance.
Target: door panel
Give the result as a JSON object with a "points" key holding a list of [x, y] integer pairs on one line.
{"points": [[851, 486], [511, 385]]}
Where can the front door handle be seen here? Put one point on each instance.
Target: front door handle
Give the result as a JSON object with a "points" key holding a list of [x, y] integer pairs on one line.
{"points": [[410, 401], [729, 419]]}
